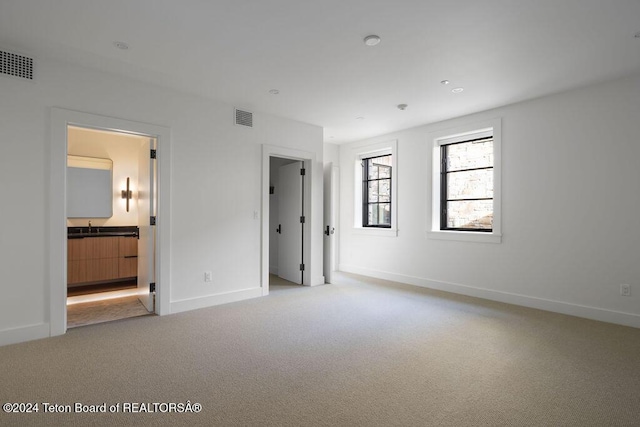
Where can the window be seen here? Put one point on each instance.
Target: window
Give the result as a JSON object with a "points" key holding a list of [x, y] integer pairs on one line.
{"points": [[375, 188], [376, 191], [466, 183]]}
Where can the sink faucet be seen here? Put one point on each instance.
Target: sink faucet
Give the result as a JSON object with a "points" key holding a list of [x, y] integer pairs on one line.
{"points": [[89, 226]]}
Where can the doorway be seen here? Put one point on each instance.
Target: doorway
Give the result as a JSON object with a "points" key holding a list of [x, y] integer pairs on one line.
{"points": [[312, 242], [157, 238], [286, 221], [110, 248]]}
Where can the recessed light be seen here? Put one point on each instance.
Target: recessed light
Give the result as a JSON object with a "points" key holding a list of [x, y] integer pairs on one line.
{"points": [[457, 89], [402, 107], [371, 40], [121, 45], [445, 82], [359, 118], [274, 91]]}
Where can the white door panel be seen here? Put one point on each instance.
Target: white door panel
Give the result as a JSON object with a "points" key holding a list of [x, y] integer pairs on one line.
{"points": [[146, 209], [330, 219], [290, 210]]}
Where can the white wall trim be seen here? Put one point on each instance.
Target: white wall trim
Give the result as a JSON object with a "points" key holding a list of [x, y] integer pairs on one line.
{"points": [[60, 119], [594, 313], [211, 300], [24, 333], [464, 236], [372, 231]]}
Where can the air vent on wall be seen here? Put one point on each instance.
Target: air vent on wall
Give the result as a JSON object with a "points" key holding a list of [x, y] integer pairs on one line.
{"points": [[244, 118], [16, 65]]}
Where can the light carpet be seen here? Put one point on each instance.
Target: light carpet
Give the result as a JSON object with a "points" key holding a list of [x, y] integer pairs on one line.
{"points": [[359, 353]]}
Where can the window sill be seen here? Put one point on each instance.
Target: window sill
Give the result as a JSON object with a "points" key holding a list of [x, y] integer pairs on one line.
{"points": [[365, 231], [465, 236]]}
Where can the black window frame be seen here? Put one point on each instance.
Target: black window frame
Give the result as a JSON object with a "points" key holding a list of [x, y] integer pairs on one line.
{"points": [[365, 191], [443, 186]]}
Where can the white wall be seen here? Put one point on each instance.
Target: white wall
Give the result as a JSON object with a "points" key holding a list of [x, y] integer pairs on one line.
{"points": [[570, 204], [215, 181], [122, 150], [331, 154]]}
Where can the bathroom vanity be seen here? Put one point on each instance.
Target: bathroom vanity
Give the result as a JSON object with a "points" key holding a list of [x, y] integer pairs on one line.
{"points": [[97, 255]]}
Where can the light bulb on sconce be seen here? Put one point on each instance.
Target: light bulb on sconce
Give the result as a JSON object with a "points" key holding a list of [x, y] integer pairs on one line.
{"points": [[127, 194]]}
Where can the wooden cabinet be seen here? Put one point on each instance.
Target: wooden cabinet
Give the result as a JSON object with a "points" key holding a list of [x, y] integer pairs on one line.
{"points": [[76, 261], [101, 259], [128, 260]]}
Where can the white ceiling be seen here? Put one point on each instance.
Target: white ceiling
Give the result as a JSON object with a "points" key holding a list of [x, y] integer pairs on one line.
{"points": [[500, 51]]}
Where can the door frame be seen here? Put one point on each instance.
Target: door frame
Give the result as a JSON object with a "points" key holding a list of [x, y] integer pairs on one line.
{"points": [[309, 160], [60, 120]]}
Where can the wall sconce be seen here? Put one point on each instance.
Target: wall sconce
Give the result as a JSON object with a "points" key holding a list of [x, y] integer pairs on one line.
{"points": [[127, 194]]}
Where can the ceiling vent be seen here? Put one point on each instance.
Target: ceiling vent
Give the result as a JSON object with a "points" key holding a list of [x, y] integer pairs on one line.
{"points": [[16, 65], [244, 118]]}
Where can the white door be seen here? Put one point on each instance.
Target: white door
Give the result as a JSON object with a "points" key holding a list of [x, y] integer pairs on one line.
{"points": [[330, 218], [146, 209], [290, 228]]}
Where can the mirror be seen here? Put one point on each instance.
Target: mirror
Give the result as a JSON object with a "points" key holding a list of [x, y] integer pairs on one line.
{"points": [[89, 187]]}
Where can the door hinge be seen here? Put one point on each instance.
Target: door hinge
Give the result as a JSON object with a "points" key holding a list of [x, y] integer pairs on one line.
{"points": [[154, 153], [303, 171], [152, 220], [152, 287], [302, 219], [301, 267]]}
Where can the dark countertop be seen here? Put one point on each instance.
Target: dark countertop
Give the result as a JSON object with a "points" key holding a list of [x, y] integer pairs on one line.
{"points": [[82, 232]]}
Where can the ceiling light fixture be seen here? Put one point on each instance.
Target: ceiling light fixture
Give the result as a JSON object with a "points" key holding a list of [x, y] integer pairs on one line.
{"points": [[121, 45], [445, 82], [402, 107], [457, 89], [371, 40], [359, 118], [274, 91]]}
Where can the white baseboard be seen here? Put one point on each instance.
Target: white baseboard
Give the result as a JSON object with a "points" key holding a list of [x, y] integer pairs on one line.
{"points": [[319, 280], [604, 315], [24, 333], [211, 300]]}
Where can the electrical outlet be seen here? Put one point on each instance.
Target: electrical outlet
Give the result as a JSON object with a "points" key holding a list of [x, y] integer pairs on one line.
{"points": [[208, 277], [625, 290]]}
